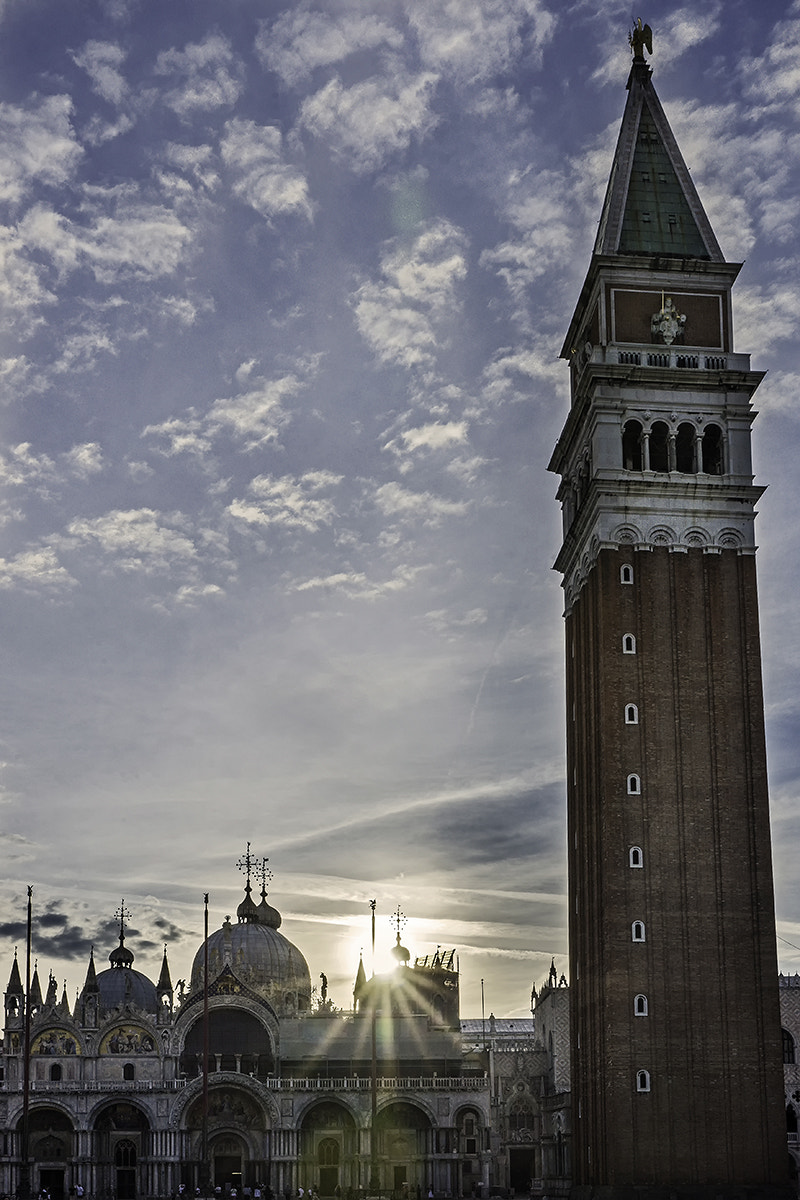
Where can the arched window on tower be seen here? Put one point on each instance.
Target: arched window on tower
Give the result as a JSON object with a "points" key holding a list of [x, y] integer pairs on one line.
{"points": [[635, 857], [788, 1047], [634, 785], [637, 931], [712, 450], [684, 449], [640, 1006], [643, 1081], [659, 446], [631, 714], [626, 573], [632, 446], [628, 643]]}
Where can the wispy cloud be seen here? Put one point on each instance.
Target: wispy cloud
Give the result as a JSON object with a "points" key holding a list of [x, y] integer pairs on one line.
{"points": [[366, 124]]}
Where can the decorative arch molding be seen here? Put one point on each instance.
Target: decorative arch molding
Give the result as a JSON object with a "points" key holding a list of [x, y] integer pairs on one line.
{"points": [[260, 1009], [696, 537], [627, 535], [423, 1106], [225, 1079], [51, 1104], [251, 1008], [662, 535], [116, 1100], [730, 539], [318, 1102]]}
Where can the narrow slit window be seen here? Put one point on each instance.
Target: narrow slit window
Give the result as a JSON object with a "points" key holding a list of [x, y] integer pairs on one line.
{"points": [[643, 1081], [637, 931], [626, 573], [640, 1006], [631, 714], [634, 785], [628, 643], [635, 856]]}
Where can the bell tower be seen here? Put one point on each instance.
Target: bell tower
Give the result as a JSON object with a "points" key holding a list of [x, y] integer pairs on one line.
{"points": [[676, 1044]]}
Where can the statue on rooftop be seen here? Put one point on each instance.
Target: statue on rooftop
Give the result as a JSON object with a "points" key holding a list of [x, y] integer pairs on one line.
{"points": [[639, 38]]}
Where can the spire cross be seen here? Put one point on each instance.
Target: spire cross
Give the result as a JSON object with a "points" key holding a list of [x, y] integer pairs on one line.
{"points": [[245, 864], [122, 915], [263, 873], [398, 919]]}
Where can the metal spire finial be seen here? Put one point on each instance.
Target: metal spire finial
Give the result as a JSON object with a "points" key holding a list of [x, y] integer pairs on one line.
{"points": [[266, 876], [398, 919], [122, 915], [245, 864]]}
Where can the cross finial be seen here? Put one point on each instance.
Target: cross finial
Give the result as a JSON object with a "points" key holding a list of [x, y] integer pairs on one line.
{"points": [[262, 872], [245, 864], [398, 919], [122, 915]]}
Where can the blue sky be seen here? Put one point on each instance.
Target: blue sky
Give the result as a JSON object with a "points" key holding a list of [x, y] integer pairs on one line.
{"points": [[283, 292]]}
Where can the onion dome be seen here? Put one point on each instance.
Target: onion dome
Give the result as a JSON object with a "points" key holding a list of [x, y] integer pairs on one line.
{"points": [[247, 910], [401, 953], [259, 956], [267, 915]]}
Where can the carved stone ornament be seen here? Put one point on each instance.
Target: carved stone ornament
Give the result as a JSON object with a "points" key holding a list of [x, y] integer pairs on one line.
{"points": [[667, 325]]}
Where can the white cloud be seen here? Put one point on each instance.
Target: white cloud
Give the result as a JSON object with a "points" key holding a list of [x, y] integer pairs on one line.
{"points": [[300, 41], [22, 291], [21, 467], [404, 314], [397, 501], [539, 209], [210, 76], [257, 415], [137, 539], [101, 62], [290, 502], [766, 315], [474, 39], [261, 177], [436, 436], [34, 570], [366, 124], [139, 239], [37, 145]]}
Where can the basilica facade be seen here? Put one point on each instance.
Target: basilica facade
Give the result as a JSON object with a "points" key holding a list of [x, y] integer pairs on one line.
{"points": [[118, 1103]]}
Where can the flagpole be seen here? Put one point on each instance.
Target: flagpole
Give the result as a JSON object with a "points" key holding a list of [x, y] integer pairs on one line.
{"points": [[24, 1189], [205, 1172]]}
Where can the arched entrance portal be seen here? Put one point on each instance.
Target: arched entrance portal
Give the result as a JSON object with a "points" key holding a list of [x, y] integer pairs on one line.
{"points": [[237, 1140], [228, 1155], [51, 1147], [404, 1145], [328, 1157], [120, 1143]]}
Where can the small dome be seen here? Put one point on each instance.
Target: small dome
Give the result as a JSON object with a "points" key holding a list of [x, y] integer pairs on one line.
{"points": [[122, 985]]}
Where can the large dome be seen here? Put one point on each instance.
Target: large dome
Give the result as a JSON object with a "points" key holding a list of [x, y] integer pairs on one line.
{"points": [[259, 955]]}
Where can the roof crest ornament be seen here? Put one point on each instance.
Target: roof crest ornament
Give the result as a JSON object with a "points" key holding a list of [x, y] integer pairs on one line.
{"points": [[639, 38]]}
